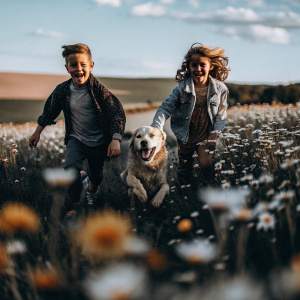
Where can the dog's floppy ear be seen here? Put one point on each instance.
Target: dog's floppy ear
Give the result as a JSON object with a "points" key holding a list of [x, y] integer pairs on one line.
{"points": [[164, 135], [131, 141]]}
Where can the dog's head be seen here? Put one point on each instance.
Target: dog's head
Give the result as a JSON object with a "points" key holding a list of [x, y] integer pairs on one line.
{"points": [[146, 142]]}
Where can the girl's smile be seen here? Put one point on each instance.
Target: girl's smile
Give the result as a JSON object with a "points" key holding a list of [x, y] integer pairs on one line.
{"points": [[199, 68]]}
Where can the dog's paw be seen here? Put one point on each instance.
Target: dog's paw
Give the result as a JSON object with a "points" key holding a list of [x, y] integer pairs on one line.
{"points": [[160, 196], [157, 200], [141, 194]]}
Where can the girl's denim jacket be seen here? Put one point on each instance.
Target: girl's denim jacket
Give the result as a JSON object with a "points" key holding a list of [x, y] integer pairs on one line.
{"points": [[180, 105]]}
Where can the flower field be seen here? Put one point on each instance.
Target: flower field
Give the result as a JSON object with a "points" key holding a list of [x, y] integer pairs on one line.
{"points": [[238, 239]]}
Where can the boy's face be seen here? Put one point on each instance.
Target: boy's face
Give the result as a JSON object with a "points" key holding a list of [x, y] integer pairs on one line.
{"points": [[79, 66]]}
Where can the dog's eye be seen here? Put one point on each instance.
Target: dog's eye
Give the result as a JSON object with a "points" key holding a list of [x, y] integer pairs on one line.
{"points": [[151, 135], [138, 136]]}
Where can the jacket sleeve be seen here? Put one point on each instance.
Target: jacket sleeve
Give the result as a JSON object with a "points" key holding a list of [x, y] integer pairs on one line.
{"points": [[166, 109], [220, 119], [51, 111], [113, 110]]}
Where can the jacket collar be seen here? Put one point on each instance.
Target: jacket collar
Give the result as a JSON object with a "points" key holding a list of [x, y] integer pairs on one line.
{"points": [[190, 87]]}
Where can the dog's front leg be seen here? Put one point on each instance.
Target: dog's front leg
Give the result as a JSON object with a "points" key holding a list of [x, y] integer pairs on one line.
{"points": [[137, 187], [160, 196]]}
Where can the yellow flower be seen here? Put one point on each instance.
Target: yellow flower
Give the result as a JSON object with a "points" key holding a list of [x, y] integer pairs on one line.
{"points": [[17, 217], [46, 279], [103, 235], [185, 225], [157, 261]]}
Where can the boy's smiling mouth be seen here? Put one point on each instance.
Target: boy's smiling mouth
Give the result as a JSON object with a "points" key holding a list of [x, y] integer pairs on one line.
{"points": [[78, 75]]}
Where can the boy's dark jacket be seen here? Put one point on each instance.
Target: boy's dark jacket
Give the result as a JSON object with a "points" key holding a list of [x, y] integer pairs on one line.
{"points": [[111, 113]]}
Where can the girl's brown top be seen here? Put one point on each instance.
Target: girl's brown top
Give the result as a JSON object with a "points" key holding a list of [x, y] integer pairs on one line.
{"points": [[200, 125]]}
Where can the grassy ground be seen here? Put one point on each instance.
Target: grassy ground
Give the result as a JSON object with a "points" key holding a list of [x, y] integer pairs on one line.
{"points": [[238, 239]]}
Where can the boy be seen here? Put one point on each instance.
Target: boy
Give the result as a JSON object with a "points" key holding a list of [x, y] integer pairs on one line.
{"points": [[94, 120]]}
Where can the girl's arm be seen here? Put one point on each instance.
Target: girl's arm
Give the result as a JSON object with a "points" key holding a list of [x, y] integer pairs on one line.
{"points": [[166, 109], [220, 119]]}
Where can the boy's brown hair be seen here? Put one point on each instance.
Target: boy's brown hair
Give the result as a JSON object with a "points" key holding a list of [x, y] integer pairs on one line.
{"points": [[76, 48], [216, 57]]}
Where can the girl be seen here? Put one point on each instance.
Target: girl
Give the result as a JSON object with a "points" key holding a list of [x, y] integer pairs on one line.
{"points": [[197, 106]]}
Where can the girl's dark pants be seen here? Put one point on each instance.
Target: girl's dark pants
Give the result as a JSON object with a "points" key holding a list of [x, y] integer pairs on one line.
{"points": [[76, 153], [186, 162]]}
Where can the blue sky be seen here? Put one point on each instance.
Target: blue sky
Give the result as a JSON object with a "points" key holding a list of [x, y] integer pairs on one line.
{"points": [[136, 38]]}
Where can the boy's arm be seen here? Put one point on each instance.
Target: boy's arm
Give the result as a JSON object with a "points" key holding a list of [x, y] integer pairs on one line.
{"points": [[113, 110], [114, 149], [166, 109], [34, 139], [51, 110]]}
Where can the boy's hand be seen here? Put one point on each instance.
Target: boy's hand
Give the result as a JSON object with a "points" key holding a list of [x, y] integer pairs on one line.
{"points": [[33, 140], [114, 149]]}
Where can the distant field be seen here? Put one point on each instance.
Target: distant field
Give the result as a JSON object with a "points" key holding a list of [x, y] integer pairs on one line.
{"points": [[128, 91], [19, 111]]}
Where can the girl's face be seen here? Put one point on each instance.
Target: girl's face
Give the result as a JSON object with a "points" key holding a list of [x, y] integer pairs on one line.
{"points": [[199, 68]]}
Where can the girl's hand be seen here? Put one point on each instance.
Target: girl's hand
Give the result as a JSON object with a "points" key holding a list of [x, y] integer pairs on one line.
{"points": [[212, 137], [114, 149]]}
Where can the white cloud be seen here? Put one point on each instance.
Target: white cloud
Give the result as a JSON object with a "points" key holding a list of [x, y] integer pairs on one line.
{"points": [[294, 2], [269, 34], [282, 19], [251, 3], [167, 1], [52, 34], [194, 3], [148, 9], [243, 16], [115, 3], [258, 33]]}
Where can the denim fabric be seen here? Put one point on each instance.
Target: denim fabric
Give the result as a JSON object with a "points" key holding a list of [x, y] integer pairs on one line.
{"points": [[76, 153], [181, 102]]}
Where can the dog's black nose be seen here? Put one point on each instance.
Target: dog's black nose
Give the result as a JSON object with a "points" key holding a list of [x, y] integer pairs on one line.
{"points": [[144, 143]]}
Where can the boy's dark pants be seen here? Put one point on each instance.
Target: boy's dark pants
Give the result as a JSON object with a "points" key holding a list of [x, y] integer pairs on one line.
{"points": [[185, 165], [76, 153]]}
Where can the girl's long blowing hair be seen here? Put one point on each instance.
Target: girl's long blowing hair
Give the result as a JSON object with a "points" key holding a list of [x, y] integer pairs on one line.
{"points": [[217, 59]]}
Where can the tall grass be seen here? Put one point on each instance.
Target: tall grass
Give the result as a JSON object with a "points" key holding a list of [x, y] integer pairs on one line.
{"points": [[237, 239]]}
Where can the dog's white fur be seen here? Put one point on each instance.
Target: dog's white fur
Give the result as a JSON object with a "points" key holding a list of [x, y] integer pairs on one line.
{"points": [[146, 167]]}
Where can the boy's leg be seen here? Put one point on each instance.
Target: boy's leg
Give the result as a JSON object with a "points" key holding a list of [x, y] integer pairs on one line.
{"points": [[75, 156], [96, 157], [185, 162]]}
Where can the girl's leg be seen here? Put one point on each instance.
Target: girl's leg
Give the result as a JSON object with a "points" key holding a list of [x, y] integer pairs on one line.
{"points": [[205, 163], [185, 162]]}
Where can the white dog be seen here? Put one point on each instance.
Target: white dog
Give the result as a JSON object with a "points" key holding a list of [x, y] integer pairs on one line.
{"points": [[146, 172]]}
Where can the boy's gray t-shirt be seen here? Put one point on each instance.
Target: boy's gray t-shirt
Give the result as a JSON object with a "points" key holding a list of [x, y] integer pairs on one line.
{"points": [[85, 118]]}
